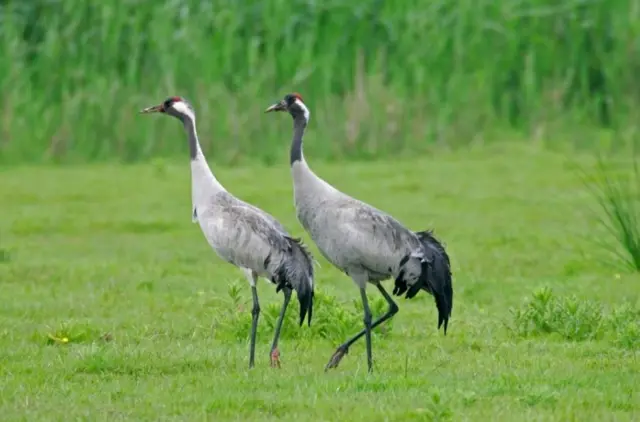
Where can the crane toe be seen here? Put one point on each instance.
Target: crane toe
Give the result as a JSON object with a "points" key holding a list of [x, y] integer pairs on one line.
{"points": [[337, 357], [275, 358]]}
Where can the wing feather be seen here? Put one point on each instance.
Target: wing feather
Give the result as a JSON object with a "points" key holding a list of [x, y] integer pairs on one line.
{"points": [[241, 233], [376, 240]]}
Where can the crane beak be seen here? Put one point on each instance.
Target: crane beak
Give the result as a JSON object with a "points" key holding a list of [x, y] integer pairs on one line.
{"points": [[155, 109], [279, 106]]}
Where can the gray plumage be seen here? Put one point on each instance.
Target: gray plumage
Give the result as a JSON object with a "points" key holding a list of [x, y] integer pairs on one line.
{"points": [[249, 238], [370, 245], [243, 234], [365, 243]]}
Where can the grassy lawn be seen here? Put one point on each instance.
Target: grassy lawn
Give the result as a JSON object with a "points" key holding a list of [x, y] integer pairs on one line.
{"points": [[107, 258]]}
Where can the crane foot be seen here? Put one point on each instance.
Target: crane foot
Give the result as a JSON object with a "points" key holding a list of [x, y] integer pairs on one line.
{"points": [[275, 358], [337, 357]]}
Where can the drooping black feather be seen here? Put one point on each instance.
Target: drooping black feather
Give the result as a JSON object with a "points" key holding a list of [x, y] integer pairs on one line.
{"points": [[400, 285], [437, 279], [297, 274]]}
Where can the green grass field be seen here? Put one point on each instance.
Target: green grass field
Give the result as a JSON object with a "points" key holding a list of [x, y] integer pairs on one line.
{"points": [[114, 307], [106, 256]]}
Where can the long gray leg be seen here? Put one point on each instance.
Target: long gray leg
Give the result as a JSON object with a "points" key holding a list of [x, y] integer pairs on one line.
{"points": [[367, 326], [344, 348], [275, 353], [255, 313]]}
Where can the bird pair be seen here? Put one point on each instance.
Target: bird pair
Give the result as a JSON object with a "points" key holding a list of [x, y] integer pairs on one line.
{"points": [[365, 243]]}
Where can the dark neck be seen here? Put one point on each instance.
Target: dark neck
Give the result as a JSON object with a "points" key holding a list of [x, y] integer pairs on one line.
{"points": [[299, 124], [194, 145]]}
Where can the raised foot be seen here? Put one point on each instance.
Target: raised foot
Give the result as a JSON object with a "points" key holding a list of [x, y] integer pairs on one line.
{"points": [[275, 358], [337, 357]]}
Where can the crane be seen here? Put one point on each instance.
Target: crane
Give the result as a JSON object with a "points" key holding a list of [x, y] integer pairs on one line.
{"points": [[365, 243], [243, 234]]}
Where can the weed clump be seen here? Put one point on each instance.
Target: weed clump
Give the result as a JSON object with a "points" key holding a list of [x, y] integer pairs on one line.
{"points": [[72, 332], [617, 197], [571, 318], [625, 326], [331, 319], [574, 319]]}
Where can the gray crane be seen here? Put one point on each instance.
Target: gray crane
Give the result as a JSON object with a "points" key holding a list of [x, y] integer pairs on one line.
{"points": [[243, 234], [365, 243]]}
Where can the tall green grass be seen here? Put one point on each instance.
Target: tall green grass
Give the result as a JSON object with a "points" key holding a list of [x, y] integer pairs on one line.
{"points": [[380, 77], [618, 198]]}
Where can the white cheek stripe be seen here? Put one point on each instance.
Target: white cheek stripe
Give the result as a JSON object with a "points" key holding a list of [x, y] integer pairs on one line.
{"points": [[305, 110], [182, 108]]}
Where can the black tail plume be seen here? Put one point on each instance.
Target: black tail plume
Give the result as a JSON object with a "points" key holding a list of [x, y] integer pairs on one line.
{"points": [[437, 279], [297, 272]]}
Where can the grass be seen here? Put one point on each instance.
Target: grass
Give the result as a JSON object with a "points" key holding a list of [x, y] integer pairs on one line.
{"points": [[382, 77], [617, 197], [115, 308]]}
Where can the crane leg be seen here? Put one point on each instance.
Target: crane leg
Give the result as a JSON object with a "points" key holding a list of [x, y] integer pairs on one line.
{"points": [[255, 313], [367, 327], [343, 349], [275, 353]]}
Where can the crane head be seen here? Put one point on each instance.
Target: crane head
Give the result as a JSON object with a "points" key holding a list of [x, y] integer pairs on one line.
{"points": [[174, 106], [292, 103]]}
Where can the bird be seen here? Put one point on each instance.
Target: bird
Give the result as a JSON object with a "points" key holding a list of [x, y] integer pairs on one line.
{"points": [[366, 244], [244, 235]]}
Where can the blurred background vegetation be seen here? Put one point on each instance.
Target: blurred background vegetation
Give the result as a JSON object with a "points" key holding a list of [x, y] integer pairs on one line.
{"points": [[380, 77]]}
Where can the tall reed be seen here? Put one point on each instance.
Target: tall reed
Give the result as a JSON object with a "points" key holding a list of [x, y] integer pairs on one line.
{"points": [[381, 77]]}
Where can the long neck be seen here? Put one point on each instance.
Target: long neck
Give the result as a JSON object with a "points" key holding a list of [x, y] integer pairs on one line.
{"points": [[299, 125], [192, 133], [308, 188], [202, 179]]}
